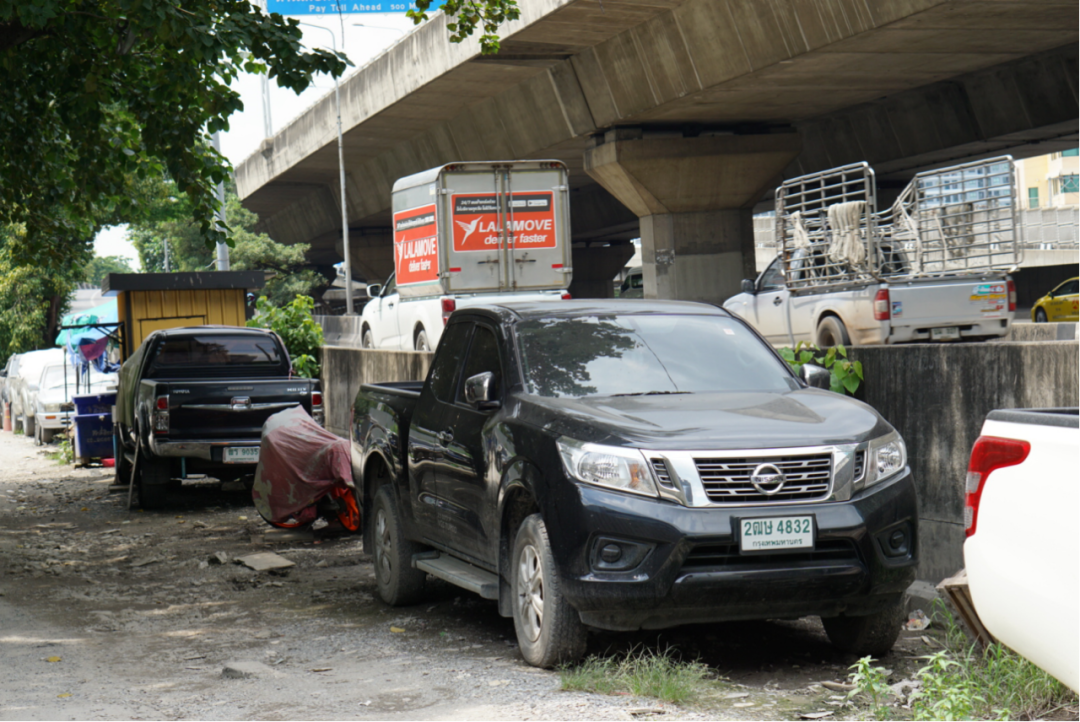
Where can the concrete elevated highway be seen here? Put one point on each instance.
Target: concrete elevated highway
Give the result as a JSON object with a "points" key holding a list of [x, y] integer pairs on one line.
{"points": [[676, 117]]}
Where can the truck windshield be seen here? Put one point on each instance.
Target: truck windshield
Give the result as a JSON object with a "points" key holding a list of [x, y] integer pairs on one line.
{"points": [[217, 351], [613, 355]]}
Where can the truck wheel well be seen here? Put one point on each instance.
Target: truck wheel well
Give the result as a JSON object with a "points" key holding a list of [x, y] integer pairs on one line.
{"points": [[376, 475], [519, 504], [417, 330]]}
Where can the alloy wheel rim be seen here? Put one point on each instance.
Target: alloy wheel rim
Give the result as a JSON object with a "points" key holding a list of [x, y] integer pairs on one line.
{"points": [[383, 545], [530, 592]]}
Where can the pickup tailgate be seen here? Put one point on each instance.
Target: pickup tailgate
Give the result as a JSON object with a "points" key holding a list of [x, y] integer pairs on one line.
{"points": [[229, 408], [935, 302], [1022, 558]]}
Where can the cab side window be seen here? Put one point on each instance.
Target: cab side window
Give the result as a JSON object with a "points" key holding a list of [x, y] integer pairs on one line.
{"points": [[772, 279], [483, 356], [1069, 288], [447, 362]]}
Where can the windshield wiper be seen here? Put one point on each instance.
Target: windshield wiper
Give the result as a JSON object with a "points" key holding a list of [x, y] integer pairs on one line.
{"points": [[652, 393]]}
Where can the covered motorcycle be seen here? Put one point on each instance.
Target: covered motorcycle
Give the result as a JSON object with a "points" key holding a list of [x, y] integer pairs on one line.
{"points": [[304, 473]]}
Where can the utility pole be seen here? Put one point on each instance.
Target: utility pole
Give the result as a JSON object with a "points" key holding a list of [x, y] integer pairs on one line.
{"points": [[341, 173], [222, 248]]}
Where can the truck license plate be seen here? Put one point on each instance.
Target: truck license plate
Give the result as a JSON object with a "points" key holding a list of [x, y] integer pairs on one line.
{"points": [[241, 455], [949, 333], [776, 533]]}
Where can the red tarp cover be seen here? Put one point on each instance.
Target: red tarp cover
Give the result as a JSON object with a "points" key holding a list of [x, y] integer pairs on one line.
{"points": [[299, 462]]}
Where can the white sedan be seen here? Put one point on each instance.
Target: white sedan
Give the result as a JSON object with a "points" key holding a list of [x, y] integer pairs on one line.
{"points": [[53, 407]]}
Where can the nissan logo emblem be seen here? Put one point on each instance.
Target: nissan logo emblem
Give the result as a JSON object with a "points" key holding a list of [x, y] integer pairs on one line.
{"points": [[767, 479]]}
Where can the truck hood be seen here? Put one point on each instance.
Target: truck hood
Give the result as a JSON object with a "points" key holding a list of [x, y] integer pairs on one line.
{"points": [[714, 420]]}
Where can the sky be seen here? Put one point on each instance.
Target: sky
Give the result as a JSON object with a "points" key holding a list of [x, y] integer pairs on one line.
{"points": [[246, 128]]}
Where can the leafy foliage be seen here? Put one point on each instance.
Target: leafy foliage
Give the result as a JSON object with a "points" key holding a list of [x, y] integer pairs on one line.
{"points": [[101, 266], [871, 683], [298, 330], [98, 94], [846, 376], [169, 222], [467, 14], [35, 284]]}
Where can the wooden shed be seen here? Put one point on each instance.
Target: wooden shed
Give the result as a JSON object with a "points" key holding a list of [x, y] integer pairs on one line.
{"points": [[147, 302]]}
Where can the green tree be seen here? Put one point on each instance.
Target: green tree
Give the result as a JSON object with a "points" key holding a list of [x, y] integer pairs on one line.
{"points": [[101, 266], [35, 286], [96, 93], [298, 330], [170, 223]]}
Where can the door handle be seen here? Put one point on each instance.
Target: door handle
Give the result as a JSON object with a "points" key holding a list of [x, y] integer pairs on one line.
{"points": [[445, 437], [389, 305], [777, 301]]}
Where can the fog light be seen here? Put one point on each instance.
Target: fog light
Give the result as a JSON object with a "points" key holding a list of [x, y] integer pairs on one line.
{"points": [[611, 553], [897, 539]]}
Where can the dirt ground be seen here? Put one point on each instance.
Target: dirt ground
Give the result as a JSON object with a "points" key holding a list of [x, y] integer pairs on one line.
{"points": [[107, 613]]}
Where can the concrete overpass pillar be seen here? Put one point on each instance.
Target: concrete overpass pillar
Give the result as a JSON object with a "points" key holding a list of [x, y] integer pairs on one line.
{"points": [[694, 198]]}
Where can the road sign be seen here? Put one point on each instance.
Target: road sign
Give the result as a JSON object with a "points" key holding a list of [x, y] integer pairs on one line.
{"points": [[349, 7]]}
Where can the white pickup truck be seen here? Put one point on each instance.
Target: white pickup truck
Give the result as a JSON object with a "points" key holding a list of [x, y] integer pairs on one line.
{"points": [[933, 268], [1022, 551], [416, 324], [465, 233]]}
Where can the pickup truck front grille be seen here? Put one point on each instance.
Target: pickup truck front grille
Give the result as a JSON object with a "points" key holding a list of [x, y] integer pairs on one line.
{"points": [[662, 474], [727, 481]]}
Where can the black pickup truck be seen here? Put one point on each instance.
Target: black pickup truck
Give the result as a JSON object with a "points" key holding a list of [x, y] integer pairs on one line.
{"points": [[621, 465], [193, 400]]}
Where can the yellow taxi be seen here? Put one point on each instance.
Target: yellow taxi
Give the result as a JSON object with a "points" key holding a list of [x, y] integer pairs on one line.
{"points": [[1061, 304]]}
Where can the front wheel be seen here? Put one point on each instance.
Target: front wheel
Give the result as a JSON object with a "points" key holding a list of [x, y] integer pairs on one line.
{"points": [[549, 631], [1040, 316], [421, 341], [832, 332], [873, 634], [398, 582], [368, 341], [37, 436]]}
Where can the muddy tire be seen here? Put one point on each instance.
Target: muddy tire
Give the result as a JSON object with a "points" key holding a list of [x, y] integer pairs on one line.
{"points": [[37, 436], [421, 342], [153, 480], [1040, 316], [123, 466], [367, 340], [873, 634], [398, 582], [831, 332], [549, 631]]}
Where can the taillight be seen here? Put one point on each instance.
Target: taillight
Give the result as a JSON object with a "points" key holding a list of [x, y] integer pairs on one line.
{"points": [[1011, 285], [881, 305], [566, 296], [449, 305], [160, 417], [317, 412], [989, 453]]}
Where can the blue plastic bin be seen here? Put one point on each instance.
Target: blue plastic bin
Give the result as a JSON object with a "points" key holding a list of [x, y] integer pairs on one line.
{"points": [[93, 436], [94, 403]]}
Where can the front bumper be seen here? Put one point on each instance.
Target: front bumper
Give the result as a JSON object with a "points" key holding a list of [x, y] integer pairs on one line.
{"points": [[198, 449], [692, 570], [53, 420]]}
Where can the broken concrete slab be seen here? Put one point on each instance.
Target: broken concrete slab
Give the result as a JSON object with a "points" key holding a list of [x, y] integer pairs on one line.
{"points": [[264, 561]]}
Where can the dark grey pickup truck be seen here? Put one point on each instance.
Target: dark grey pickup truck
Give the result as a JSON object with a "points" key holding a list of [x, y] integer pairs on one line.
{"points": [[621, 465], [194, 400]]}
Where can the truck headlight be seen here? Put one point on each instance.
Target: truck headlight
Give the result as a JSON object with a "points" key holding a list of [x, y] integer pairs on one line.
{"points": [[52, 408], [887, 456], [609, 466]]}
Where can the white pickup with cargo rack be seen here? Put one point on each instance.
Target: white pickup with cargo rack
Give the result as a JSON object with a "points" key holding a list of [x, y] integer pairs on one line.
{"points": [[468, 230], [931, 267]]}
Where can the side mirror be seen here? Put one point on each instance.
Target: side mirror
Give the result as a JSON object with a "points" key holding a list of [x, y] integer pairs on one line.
{"points": [[748, 286], [373, 290], [480, 391], [815, 376]]}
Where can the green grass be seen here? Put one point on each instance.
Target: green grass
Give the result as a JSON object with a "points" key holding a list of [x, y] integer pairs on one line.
{"points": [[964, 682], [645, 674]]}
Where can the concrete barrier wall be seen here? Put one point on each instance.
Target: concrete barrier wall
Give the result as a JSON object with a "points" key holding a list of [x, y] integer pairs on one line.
{"points": [[345, 369], [340, 330], [937, 396]]}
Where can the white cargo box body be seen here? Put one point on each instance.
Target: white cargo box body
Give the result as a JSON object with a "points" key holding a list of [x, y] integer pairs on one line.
{"points": [[482, 227]]}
